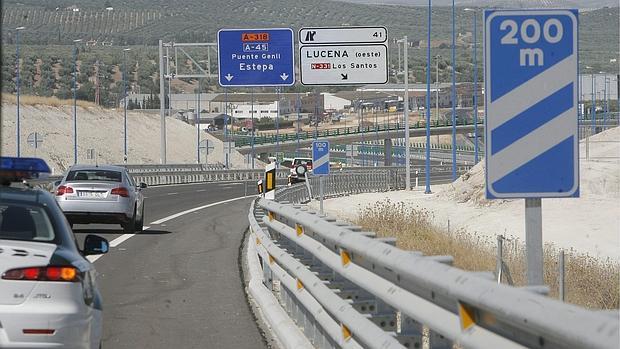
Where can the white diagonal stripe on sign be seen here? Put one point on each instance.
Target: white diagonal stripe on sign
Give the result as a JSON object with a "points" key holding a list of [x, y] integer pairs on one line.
{"points": [[529, 147], [321, 161], [531, 92]]}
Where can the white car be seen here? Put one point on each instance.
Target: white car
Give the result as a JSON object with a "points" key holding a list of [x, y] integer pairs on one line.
{"points": [[101, 194], [48, 293]]}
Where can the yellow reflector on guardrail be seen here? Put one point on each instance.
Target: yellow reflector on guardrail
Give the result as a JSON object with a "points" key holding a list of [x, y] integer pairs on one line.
{"points": [[346, 333], [271, 215], [345, 257], [271, 259], [300, 229], [300, 285], [467, 315]]}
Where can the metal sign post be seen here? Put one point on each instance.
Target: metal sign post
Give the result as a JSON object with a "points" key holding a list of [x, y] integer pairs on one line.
{"points": [[531, 99], [34, 140], [320, 164], [208, 146]]}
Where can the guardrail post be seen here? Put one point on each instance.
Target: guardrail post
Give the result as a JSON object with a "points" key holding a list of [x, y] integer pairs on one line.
{"points": [[437, 341], [411, 332]]}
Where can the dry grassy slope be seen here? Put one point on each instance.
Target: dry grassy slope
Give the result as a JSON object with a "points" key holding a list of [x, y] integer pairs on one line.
{"points": [[102, 130]]}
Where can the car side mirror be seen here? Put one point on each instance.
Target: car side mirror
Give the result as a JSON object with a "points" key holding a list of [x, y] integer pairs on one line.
{"points": [[142, 185], [94, 244]]}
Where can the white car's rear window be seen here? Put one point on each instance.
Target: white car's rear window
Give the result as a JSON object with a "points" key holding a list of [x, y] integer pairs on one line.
{"points": [[94, 175], [25, 222]]}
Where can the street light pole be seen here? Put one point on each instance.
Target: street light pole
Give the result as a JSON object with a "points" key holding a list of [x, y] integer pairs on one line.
{"points": [[428, 105], [593, 114], [162, 115], [453, 102], [606, 108], [406, 116], [17, 85], [125, 102], [75, 152], [437, 90], [198, 125], [475, 57]]}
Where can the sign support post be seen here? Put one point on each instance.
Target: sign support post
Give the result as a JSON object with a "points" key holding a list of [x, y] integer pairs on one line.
{"points": [[321, 193], [533, 241]]}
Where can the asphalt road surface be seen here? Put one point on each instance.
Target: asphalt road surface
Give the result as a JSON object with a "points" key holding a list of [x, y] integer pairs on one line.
{"points": [[177, 284]]}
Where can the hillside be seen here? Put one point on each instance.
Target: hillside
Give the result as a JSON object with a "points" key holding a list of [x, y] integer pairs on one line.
{"points": [[101, 130], [143, 22], [581, 4], [51, 26]]}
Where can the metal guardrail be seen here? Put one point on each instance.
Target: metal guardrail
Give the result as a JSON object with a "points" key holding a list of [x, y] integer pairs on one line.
{"points": [[145, 168], [378, 296], [245, 139], [192, 173], [182, 177], [357, 180]]}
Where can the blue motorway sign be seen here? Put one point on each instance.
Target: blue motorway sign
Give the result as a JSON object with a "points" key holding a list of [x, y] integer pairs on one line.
{"points": [[320, 158], [256, 57], [531, 88]]}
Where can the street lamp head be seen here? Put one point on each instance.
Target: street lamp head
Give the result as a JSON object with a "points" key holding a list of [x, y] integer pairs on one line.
{"points": [[127, 49], [20, 28], [77, 40], [469, 9]]}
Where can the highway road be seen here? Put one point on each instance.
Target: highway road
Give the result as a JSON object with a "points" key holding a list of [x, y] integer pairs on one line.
{"points": [[178, 283]]}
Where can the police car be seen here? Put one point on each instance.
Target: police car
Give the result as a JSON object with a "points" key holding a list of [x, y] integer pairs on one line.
{"points": [[48, 293]]}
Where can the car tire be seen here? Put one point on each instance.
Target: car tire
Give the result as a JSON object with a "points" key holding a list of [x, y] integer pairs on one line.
{"points": [[140, 223], [129, 227]]}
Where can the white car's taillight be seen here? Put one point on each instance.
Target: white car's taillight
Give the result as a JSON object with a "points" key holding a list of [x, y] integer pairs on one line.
{"points": [[49, 273]]}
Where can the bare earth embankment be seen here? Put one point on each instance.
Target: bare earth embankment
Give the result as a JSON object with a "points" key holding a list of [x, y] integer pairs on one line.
{"points": [[99, 129]]}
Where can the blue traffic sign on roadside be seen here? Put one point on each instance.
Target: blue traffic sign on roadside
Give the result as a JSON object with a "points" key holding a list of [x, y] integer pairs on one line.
{"points": [[256, 57], [320, 158], [531, 68]]}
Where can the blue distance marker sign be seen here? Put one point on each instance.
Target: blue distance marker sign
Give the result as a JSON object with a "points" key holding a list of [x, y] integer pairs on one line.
{"points": [[256, 57], [320, 158], [531, 87]]}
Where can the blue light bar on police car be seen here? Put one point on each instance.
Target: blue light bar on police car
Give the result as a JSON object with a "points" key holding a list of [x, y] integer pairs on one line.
{"points": [[23, 168]]}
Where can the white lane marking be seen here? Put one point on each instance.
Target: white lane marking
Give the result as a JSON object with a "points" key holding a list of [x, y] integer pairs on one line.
{"points": [[113, 243], [200, 190], [176, 215], [228, 183], [172, 194]]}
